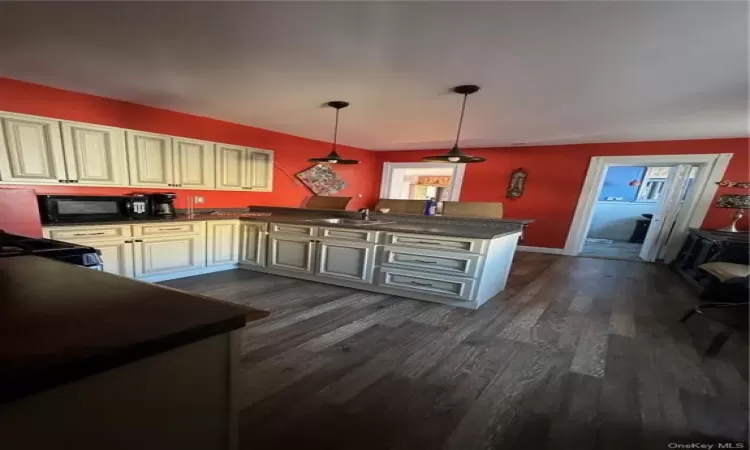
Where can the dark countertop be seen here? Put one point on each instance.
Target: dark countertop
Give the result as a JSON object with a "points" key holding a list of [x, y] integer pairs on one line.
{"points": [[462, 227], [60, 322]]}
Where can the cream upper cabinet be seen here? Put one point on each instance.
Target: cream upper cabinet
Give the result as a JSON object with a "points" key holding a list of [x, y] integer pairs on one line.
{"points": [[259, 175], [150, 159], [222, 240], [231, 170], [253, 237], [347, 260], [193, 163], [95, 155], [244, 168], [169, 254], [31, 150]]}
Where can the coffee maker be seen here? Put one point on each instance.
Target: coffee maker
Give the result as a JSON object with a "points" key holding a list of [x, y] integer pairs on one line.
{"points": [[163, 204]]}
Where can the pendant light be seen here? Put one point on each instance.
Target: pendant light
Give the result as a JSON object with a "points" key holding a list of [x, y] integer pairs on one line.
{"points": [[333, 157], [455, 155]]}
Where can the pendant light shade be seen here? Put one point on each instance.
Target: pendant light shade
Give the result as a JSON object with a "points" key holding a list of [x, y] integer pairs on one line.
{"points": [[333, 157], [456, 155]]}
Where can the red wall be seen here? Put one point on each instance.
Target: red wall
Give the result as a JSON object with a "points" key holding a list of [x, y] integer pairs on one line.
{"points": [[291, 152], [556, 175]]}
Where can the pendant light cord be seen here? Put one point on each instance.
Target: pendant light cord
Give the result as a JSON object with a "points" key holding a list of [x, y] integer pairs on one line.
{"points": [[461, 120], [336, 129]]}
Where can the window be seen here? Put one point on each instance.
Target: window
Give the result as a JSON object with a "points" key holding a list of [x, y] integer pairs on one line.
{"points": [[653, 184]]}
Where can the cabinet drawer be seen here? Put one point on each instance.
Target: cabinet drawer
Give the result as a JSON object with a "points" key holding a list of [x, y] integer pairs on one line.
{"points": [[437, 242], [349, 234], [304, 230], [164, 229], [460, 264], [84, 232], [428, 283]]}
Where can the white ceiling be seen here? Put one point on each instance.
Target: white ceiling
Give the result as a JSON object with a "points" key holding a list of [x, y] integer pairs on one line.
{"points": [[554, 72]]}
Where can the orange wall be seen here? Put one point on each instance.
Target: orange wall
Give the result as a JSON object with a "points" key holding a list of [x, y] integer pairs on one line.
{"points": [[291, 152], [556, 175]]}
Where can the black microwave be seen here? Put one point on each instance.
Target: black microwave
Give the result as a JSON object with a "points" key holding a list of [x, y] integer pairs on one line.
{"points": [[79, 208]]}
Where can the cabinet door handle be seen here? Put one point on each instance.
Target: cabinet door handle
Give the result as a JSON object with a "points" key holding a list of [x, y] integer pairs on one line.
{"points": [[169, 229], [129, 242], [424, 262], [61, 181], [246, 187], [72, 181], [170, 184], [426, 242], [138, 240], [420, 284], [88, 234]]}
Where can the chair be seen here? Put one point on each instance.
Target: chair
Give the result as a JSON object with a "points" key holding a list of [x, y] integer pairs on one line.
{"points": [[489, 210], [402, 206], [323, 202], [724, 300]]}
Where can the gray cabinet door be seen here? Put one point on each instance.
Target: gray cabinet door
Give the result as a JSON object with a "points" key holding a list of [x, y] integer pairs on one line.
{"points": [[352, 261], [291, 252], [253, 243]]}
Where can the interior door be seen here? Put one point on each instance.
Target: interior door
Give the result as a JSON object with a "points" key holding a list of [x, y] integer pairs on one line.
{"points": [[666, 213]]}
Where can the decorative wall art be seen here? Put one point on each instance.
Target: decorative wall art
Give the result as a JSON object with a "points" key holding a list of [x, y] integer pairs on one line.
{"points": [[321, 180], [736, 184], [517, 183]]}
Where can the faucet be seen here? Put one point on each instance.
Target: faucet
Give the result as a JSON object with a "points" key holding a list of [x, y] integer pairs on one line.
{"points": [[365, 213]]}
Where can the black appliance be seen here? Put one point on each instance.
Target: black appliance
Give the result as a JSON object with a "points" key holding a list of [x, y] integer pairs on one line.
{"points": [[79, 208], [16, 245], [163, 204]]}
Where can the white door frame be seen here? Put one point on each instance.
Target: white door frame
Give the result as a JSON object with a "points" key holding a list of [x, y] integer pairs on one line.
{"points": [[456, 182], [696, 210]]}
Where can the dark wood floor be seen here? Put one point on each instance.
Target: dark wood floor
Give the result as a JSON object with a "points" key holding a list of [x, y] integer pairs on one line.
{"points": [[577, 353]]}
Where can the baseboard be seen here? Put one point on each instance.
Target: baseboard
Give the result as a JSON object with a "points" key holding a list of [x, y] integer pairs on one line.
{"points": [[188, 273], [551, 251]]}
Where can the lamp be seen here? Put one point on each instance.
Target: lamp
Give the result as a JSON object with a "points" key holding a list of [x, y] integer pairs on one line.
{"points": [[455, 155], [733, 201], [333, 157]]}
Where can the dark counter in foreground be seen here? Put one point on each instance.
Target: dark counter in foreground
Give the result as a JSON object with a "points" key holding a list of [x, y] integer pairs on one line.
{"points": [[60, 322]]}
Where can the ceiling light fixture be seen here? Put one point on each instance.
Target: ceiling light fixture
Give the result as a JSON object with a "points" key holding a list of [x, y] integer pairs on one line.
{"points": [[455, 155], [333, 157]]}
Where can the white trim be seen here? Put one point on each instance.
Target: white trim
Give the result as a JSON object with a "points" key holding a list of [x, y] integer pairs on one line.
{"points": [[697, 209], [457, 182], [548, 250]]}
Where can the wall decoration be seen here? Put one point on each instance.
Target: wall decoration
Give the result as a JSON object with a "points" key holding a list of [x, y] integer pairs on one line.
{"points": [[737, 184], [434, 180], [322, 180], [517, 183]]}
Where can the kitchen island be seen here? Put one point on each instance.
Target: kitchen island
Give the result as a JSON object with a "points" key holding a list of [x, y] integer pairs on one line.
{"points": [[90, 360], [456, 261]]}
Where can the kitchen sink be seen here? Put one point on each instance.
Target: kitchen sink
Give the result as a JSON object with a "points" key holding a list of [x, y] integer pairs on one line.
{"points": [[355, 222]]}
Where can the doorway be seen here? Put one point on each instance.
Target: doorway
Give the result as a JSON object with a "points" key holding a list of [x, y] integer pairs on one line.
{"points": [[419, 181], [680, 187], [627, 202]]}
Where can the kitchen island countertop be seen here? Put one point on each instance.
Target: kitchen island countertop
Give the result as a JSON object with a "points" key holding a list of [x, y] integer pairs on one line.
{"points": [[60, 322]]}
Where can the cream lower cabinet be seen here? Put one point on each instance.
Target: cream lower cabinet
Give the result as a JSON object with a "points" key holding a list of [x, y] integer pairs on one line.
{"points": [[158, 255], [222, 242], [253, 242], [352, 261], [117, 256], [290, 252]]}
